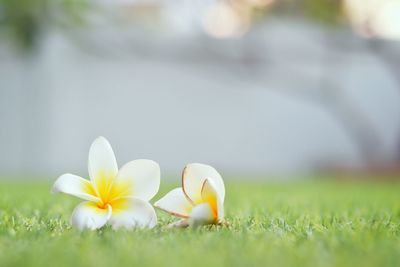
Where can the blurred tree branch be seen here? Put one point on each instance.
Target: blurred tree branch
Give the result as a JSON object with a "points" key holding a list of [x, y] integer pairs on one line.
{"points": [[24, 21]]}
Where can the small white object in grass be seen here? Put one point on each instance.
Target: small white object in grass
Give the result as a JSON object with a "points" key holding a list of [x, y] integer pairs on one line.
{"points": [[116, 197], [200, 200]]}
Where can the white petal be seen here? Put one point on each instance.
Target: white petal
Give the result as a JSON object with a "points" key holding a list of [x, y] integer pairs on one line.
{"points": [[76, 186], [209, 195], [103, 166], [132, 212], [88, 216], [193, 177], [175, 203], [138, 178], [201, 214]]}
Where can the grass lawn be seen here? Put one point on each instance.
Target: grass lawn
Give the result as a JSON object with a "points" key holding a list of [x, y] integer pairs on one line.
{"points": [[272, 224]]}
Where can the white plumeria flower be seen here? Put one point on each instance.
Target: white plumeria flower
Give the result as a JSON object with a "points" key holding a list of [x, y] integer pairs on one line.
{"points": [[200, 200], [119, 198]]}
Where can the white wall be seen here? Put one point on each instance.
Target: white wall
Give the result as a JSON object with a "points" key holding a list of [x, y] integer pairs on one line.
{"points": [[175, 102]]}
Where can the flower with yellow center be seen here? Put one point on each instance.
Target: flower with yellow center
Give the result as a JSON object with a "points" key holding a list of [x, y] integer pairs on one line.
{"points": [[117, 197], [200, 200]]}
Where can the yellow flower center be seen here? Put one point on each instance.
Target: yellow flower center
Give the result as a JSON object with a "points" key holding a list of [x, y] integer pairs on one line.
{"points": [[110, 191]]}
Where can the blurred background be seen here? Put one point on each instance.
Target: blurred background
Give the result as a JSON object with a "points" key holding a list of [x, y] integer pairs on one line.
{"points": [[256, 87]]}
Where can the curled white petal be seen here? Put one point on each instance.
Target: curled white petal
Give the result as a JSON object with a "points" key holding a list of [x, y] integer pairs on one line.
{"points": [[76, 186], [175, 203], [88, 216], [193, 177], [132, 213], [201, 214], [209, 195]]}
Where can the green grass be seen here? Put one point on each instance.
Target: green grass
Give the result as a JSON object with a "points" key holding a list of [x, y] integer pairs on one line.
{"points": [[272, 224]]}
